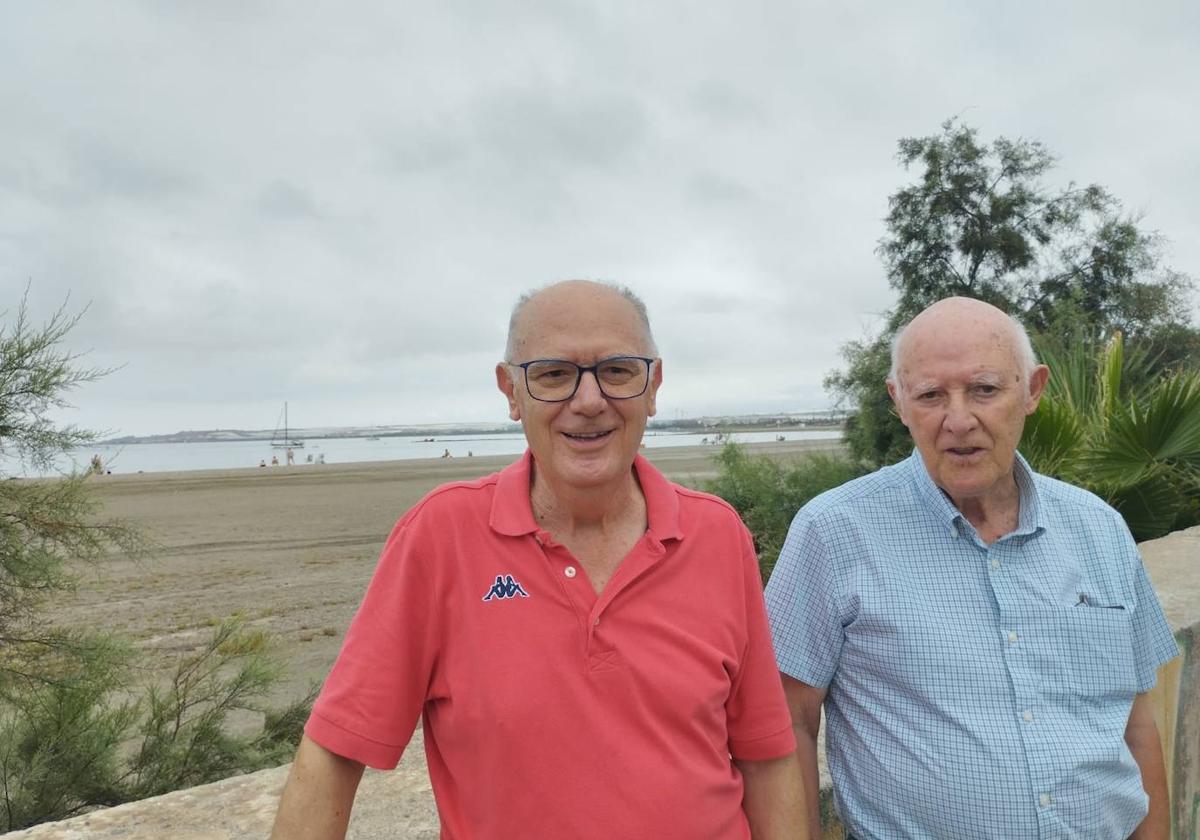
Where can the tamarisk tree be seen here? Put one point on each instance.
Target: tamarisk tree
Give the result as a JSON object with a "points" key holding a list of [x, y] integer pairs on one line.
{"points": [[74, 734]]}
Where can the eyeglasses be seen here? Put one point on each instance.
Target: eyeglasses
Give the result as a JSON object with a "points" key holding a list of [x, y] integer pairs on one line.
{"points": [[557, 380]]}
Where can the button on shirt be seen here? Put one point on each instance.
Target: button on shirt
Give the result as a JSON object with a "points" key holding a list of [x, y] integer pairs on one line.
{"points": [[974, 690]]}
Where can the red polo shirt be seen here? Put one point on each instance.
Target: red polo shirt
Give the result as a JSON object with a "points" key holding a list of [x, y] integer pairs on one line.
{"points": [[551, 712]]}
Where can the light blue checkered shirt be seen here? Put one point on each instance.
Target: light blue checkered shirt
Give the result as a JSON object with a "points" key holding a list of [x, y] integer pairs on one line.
{"points": [[972, 691]]}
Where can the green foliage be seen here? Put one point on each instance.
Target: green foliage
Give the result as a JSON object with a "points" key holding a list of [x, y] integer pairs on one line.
{"points": [[980, 221], [976, 219], [66, 746], [874, 433], [767, 493], [1132, 439], [282, 729], [73, 736], [59, 739], [35, 376], [184, 733], [46, 527]]}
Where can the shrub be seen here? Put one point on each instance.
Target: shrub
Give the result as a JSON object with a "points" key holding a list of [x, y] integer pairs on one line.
{"points": [[767, 492], [72, 734]]}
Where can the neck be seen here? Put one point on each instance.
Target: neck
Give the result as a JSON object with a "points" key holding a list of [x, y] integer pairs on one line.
{"points": [[995, 514], [569, 510]]}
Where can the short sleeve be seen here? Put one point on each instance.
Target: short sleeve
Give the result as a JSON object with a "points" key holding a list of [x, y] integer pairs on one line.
{"points": [[804, 606], [757, 717], [1153, 642], [372, 699]]}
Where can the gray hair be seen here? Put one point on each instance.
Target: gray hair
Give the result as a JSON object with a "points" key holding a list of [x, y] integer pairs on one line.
{"points": [[624, 291], [1023, 346]]}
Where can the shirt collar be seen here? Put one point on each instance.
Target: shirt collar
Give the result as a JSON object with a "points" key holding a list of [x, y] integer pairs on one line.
{"points": [[512, 512], [1029, 517]]}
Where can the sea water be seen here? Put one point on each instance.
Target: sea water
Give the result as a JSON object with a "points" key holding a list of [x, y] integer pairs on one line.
{"points": [[221, 455]]}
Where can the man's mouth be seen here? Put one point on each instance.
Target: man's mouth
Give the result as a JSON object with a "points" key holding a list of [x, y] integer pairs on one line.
{"points": [[964, 450], [587, 436]]}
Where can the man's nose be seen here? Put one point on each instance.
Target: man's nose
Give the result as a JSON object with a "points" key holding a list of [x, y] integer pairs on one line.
{"points": [[588, 398], [959, 417]]}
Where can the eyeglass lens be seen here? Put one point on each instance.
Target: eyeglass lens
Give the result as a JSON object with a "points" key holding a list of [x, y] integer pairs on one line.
{"points": [[620, 378]]}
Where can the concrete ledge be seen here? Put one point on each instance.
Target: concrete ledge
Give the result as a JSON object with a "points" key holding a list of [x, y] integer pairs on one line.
{"points": [[1173, 564], [399, 804], [396, 804]]}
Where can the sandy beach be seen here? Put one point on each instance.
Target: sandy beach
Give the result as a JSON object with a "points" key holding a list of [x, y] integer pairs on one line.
{"points": [[288, 549]]}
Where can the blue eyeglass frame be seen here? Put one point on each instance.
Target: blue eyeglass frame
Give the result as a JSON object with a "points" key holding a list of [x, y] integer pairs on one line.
{"points": [[580, 370]]}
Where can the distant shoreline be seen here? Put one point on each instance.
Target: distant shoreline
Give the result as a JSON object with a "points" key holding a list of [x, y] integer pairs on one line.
{"points": [[460, 432], [684, 464]]}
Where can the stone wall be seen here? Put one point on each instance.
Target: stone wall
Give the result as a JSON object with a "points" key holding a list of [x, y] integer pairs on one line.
{"points": [[1174, 566], [399, 804]]}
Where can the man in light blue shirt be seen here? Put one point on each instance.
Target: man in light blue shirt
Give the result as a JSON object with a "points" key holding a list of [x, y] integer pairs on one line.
{"points": [[981, 636]]}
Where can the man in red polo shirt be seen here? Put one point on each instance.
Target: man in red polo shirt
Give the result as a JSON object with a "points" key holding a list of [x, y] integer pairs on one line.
{"points": [[585, 641]]}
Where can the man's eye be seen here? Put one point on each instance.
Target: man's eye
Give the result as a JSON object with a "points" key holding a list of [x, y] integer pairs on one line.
{"points": [[618, 370], [550, 374]]}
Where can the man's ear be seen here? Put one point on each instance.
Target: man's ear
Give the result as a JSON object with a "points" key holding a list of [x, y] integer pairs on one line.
{"points": [[655, 382], [504, 381], [1037, 385], [894, 392]]}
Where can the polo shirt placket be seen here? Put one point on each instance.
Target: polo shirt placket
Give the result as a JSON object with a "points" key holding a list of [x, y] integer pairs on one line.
{"points": [[599, 648]]}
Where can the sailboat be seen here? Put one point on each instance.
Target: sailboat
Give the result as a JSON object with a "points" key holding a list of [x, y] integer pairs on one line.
{"points": [[286, 442]]}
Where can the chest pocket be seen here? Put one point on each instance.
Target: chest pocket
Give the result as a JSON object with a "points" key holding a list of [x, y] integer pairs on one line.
{"points": [[1097, 647]]}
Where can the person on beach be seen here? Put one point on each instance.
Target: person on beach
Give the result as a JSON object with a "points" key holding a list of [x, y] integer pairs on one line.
{"points": [[982, 637], [585, 642]]}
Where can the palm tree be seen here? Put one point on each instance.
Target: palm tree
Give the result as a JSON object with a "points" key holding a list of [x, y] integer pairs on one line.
{"points": [[1129, 434]]}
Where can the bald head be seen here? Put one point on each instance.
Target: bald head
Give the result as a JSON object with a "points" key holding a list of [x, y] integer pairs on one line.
{"points": [[573, 296], [965, 316]]}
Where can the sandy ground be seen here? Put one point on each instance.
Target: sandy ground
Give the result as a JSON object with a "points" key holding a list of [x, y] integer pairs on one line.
{"points": [[289, 549]]}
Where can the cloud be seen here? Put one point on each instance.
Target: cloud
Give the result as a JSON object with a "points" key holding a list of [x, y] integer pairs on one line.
{"points": [[339, 206], [282, 201]]}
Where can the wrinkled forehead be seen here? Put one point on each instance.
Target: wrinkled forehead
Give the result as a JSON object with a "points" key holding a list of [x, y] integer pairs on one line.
{"points": [[549, 323], [969, 348]]}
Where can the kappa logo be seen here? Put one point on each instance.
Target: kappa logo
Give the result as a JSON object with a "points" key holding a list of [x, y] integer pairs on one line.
{"points": [[505, 587]]}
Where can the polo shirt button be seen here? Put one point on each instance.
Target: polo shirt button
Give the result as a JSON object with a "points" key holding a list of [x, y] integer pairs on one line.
{"points": [[569, 571], [1044, 800], [995, 563], [1027, 716], [596, 622], [1012, 637]]}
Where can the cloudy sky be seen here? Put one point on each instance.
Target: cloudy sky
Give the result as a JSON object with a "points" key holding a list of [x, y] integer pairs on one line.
{"points": [[336, 204]]}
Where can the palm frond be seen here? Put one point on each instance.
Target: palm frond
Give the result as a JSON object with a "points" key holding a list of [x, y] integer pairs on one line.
{"points": [[1161, 430], [1072, 374], [1110, 422], [1109, 385], [1053, 437], [1151, 507]]}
